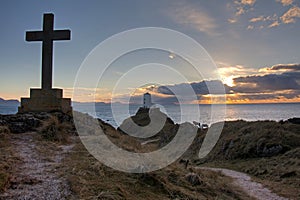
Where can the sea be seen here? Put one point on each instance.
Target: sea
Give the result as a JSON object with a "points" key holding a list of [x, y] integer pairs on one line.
{"points": [[116, 113]]}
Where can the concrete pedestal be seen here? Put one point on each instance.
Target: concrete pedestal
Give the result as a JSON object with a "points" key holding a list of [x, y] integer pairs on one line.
{"points": [[42, 100]]}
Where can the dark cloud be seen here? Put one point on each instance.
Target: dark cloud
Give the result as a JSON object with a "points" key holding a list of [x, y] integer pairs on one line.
{"points": [[138, 99], [200, 88], [292, 67], [265, 87], [266, 83]]}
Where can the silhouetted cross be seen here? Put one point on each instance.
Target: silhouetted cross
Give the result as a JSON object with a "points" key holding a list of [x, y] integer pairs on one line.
{"points": [[48, 35]]}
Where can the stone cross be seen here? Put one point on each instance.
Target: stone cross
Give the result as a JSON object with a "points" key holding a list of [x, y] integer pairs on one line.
{"points": [[47, 36]]}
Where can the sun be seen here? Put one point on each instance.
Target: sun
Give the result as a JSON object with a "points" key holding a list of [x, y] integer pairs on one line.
{"points": [[172, 55], [228, 81]]}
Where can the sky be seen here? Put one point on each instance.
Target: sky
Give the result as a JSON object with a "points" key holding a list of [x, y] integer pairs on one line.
{"points": [[254, 44]]}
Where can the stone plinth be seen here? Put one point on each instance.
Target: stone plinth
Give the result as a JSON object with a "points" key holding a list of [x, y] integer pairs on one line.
{"points": [[42, 100]]}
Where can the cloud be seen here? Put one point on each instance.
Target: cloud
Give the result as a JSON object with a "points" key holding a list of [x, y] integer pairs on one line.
{"points": [[248, 2], [267, 83], [250, 27], [257, 19], [281, 68], [266, 88], [194, 17], [291, 15], [263, 19], [232, 21], [240, 11], [200, 88], [274, 24], [278, 83], [269, 21], [269, 87], [203, 91], [81, 94], [286, 2], [227, 72], [242, 6]]}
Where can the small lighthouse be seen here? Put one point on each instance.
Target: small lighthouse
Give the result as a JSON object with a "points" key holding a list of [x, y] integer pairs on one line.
{"points": [[147, 100]]}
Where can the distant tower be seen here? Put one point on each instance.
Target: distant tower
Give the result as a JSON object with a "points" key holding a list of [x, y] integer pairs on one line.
{"points": [[147, 100]]}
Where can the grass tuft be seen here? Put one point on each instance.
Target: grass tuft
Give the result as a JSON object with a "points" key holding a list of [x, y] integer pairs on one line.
{"points": [[5, 158], [55, 131]]}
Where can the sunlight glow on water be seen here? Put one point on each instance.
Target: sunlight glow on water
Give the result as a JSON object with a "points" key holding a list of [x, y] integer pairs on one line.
{"points": [[248, 112]]}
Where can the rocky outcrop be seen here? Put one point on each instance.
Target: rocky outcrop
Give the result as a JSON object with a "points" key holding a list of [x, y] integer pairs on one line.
{"points": [[294, 120], [260, 139], [21, 123], [162, 129]]}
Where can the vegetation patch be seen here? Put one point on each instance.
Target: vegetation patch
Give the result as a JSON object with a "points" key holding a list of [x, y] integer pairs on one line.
{"points": [[6, 158], [55, 130], [267, 150], [90, 179]]}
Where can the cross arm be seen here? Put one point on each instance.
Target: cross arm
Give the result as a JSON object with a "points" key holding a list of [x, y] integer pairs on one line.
{"points": [[34, 36], [62, 35]]}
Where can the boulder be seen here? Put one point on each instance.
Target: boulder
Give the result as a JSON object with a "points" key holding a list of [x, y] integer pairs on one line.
{"points": [[193, 179], [272, 150], [20, 123], [294, 120]]}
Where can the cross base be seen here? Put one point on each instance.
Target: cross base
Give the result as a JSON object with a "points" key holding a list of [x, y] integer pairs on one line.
{"points": [[42, 100]]}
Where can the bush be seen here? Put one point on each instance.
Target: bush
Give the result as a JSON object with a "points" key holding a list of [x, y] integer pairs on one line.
{"points": [[4, 131], [53, 130]]}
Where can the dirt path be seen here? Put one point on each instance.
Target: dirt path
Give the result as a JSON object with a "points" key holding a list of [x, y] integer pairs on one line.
{"points": [[252, 188], [38, 176]]}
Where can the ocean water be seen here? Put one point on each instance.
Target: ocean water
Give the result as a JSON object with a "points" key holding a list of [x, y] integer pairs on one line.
{"points": [[249, 112], [6, 110]]}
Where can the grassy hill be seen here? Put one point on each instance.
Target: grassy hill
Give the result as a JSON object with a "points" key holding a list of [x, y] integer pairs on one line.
{"points": [[89, 179], [267, 150]]}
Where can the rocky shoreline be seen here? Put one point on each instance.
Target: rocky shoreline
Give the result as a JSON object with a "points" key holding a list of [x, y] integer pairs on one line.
{"points": [[267, 150]]}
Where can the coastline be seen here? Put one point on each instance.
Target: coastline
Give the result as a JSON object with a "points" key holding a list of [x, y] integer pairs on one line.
{"points": [[249, 147]]}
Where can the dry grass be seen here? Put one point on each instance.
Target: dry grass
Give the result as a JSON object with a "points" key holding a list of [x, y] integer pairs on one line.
{"points": [[90, 179], [241, 147], [6, 158], [236, 149], [243, 140], [54, 130]]}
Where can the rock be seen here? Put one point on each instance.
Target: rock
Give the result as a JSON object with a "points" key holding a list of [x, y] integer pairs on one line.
{"points": [[193, 179], [22, 123], [267, 150], [294, 120], [162, 128], [272, 150], [2, 122]]}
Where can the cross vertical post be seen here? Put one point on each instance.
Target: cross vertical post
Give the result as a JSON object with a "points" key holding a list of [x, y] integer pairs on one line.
{"points": [[47, 52], [47, 36]]}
